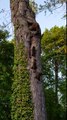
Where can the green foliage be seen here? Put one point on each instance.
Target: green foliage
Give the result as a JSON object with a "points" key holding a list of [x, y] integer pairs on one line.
{"points": [[53, 112], [53, 48], [54, 40], [21, 96], [6, 64], [3, 34]]}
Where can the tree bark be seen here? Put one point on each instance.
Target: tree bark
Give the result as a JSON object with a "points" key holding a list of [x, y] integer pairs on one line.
{"points": [[56, 81], [28, 30]]}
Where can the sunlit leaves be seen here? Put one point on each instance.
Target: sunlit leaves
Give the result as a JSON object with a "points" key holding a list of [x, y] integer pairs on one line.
{"points": [[54, 48]]}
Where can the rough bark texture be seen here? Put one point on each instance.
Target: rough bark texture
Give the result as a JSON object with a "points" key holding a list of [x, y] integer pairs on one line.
{"points": [[28, 31]]}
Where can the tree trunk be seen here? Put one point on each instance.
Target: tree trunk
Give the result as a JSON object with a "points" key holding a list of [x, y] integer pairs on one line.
{"points": [[56, 81], [27, 30]]}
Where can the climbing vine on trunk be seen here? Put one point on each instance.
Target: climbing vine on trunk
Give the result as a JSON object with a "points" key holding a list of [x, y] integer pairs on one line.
{"points": [[28, 30], [22, 108]]}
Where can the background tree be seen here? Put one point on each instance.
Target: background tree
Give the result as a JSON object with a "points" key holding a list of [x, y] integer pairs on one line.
{"points": [[53, 54], [6, 74]]}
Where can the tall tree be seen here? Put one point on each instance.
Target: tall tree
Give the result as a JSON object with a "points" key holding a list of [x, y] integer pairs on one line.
{"points": [[28, 34], [54, 54]]}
